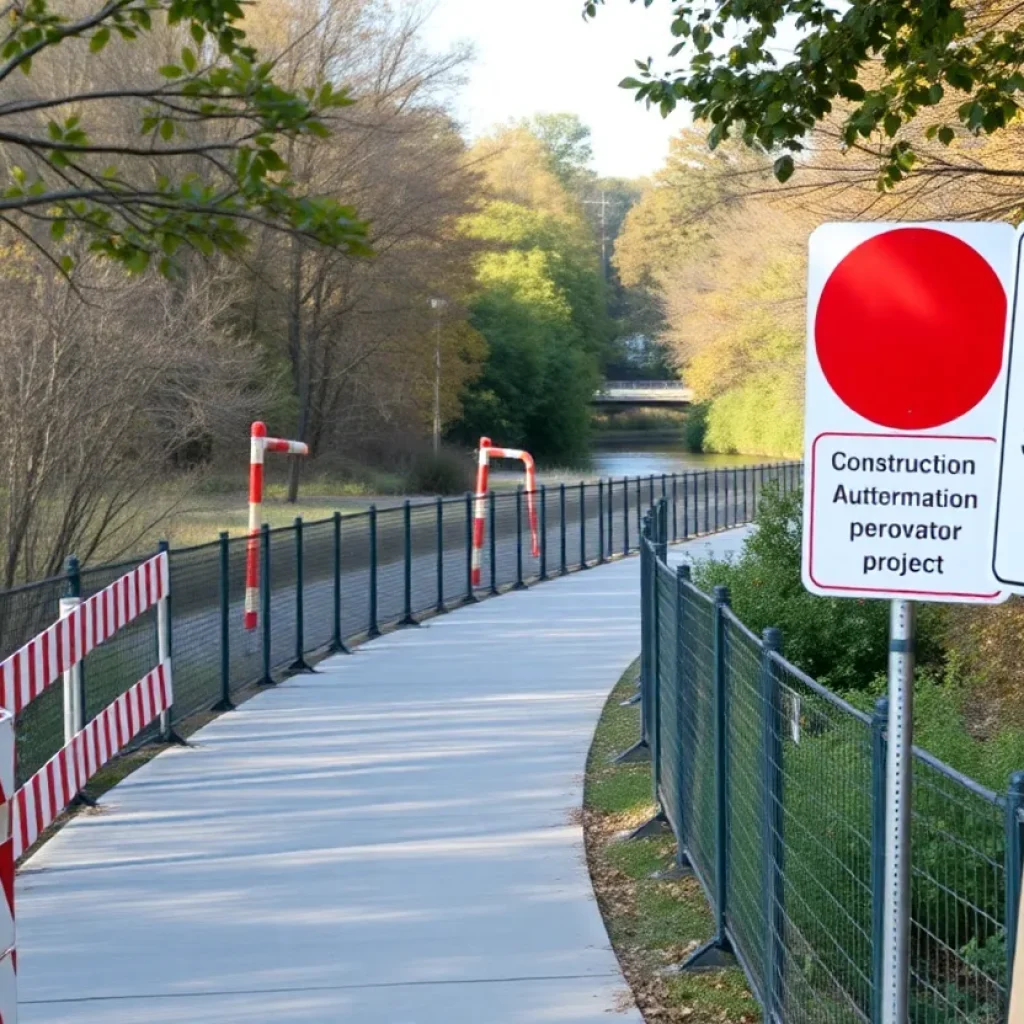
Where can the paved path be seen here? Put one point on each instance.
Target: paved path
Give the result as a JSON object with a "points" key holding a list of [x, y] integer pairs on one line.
{"points": [[392, 840]]}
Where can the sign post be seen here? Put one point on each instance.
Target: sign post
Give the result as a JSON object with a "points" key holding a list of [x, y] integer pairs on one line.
{"points": [[906, 356]]}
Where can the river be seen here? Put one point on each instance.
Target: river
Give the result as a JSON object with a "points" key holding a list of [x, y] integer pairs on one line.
{"points": [[638, 458]]}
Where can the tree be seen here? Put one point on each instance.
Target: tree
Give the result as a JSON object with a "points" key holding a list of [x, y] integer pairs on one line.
{"points": [[207, 156], [358, 335], [567, 141], [919, 54], [540, 304]]}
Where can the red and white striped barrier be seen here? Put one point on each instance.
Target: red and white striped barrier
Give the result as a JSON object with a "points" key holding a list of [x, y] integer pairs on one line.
{"points": [[37, 665], [259, 445], [8, 978], [50, 791], [486, 452]]}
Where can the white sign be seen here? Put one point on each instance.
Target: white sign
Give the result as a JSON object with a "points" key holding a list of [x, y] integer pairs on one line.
{"points": [[906, 357], [1009, 539]]}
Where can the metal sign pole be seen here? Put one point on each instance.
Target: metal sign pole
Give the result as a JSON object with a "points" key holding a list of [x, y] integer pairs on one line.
{"points": [[896, 976]]}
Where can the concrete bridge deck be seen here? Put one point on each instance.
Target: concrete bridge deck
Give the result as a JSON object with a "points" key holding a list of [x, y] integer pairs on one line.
{"points": [[392, 840]]}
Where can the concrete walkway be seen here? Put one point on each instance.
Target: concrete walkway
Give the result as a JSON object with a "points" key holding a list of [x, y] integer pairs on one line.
{"points": [[391, 840]]}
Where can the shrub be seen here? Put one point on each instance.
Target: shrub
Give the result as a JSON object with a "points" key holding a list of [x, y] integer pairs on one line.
{"points": [[841, 642], [696, 426], [758, 417], [447, 472]]}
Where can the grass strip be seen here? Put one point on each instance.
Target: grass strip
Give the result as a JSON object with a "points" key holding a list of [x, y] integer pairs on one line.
{"points": [[652, 924]]}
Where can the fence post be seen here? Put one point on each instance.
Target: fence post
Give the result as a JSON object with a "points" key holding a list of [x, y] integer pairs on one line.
{"points": [[165, 644], [675, 520], [773, 847], [640, 750], [561, 501], [1014, 865], [683, 711], [707, 504], [600, 522], [374, 630], [625, 516], [639, 513], [520, 585], [337, 641], [583, 526], [543, 532], [74, 695], [493, 515], [268, 679], [716, 499], [407, 617], [725, 502], [650, 489], [879, 722], [471, 597], [300, 664], [439, 607], [224, 550], [664, 485], [686, 506], [661, 519], [714, 952], [652, 698], [610, 543]]}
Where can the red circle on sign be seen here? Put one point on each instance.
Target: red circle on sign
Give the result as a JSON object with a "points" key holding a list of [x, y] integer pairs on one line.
{"points": [[909, 328]]}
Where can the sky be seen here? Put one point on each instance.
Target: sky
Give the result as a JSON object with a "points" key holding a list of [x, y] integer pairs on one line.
{"points": [[536, 56]]}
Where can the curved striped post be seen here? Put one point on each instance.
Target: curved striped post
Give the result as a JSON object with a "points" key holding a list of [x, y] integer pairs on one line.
{"points": [[483, 469], [485, 453], [259, 445]]}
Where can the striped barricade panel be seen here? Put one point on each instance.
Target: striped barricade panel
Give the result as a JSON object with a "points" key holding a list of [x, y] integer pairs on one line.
{"points": [[44, 659], [49, 792], [8, 981]]}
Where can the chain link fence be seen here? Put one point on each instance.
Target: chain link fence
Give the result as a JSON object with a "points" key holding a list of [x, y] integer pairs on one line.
{"points": [[774, 788], [328, 584]]}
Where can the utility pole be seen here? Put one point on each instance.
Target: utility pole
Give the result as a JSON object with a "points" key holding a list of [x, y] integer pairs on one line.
{"points": [[438, 306], [604, 202]]}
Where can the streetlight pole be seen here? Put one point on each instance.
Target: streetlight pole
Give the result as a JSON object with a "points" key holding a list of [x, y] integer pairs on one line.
{"points": [[437, 305]]}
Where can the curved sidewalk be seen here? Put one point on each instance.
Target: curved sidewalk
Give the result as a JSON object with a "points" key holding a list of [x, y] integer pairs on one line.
{"points": [[391, 840]]}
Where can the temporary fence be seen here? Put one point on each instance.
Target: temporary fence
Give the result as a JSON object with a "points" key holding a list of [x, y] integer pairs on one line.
{"points": [[8, 980], [26, 675], [774, 788], [327, 584]]}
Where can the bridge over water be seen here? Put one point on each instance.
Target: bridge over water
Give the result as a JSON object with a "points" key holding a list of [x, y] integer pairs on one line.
{"points": [[643, 394]]}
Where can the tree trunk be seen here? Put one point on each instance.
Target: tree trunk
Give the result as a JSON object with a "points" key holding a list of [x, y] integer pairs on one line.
{"points": [[299, 375]]}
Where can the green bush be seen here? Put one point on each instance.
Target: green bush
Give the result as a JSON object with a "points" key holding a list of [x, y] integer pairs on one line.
{"points": [[759, 417], [695, 431], [841, 642], [447, 472]]}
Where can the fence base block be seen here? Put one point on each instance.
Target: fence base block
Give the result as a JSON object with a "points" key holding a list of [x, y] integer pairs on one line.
{"points": [[640, 751], [712, 956], [82, 799], [301, 667], [680, 869], [630, 701], [408, 621], [656, 826], [224, 705], [175, 739], [339, 648]]}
